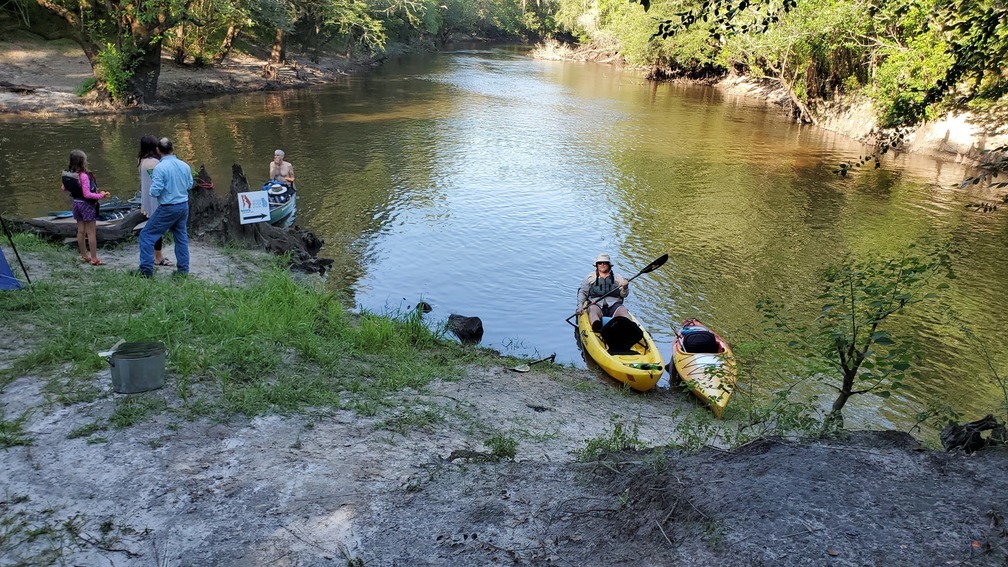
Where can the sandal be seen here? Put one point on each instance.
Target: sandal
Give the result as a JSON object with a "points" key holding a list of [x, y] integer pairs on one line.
{"points": [[165, 262], [97, 262], [85, 259]]}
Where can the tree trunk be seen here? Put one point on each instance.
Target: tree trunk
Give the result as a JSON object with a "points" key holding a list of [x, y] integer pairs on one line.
{"points": [[834, 420], [225, 48], [317, 41], [145, 78], [180, 47], [278, 55], [216, 219]]}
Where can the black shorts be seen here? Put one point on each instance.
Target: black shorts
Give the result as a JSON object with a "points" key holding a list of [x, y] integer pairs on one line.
{"points": [[608, 310]]}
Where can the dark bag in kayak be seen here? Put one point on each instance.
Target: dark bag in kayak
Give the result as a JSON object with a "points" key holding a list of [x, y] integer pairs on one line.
{"points": [[621, 333], [700, 342]]}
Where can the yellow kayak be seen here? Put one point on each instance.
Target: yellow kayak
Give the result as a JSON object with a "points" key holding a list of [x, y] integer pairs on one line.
{"points": [[638, 366], [705, 363]]}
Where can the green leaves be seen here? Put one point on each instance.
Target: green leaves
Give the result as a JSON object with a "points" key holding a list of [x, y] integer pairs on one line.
{"points": [[115, 68], [859, 296]]}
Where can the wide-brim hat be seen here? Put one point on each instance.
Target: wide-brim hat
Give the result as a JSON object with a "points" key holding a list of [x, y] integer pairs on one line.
{"points": [[603, 257]]}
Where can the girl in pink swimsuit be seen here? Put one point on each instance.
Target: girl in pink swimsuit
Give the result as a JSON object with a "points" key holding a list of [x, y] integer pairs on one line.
{"points": [[81, 185]]}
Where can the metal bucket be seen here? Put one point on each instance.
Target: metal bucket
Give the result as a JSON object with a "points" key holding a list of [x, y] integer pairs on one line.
{"points": [[138, 367]]}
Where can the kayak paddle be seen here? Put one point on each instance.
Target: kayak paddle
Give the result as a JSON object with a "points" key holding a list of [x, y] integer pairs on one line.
{"points": [[527, 367], [659, 262]]}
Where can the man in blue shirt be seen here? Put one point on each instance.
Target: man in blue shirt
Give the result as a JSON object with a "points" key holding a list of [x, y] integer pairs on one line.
{"points": [[171, 181]]}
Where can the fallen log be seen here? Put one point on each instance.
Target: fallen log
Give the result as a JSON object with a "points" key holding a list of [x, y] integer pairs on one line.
{"points": [[16, 88], [969, 436], [107, 232]]}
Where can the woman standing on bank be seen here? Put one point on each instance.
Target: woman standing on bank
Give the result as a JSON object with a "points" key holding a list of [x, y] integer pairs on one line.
{"points": [[147, 159]]}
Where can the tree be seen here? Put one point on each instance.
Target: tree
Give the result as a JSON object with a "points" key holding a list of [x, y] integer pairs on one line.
{"points": [[812, 52], [122, 40], [209, 31], [848, 339], [959, 47], [324, 21]]}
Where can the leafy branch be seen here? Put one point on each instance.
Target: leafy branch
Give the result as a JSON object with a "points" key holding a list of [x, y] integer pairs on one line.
{"points": [[849, 336]]}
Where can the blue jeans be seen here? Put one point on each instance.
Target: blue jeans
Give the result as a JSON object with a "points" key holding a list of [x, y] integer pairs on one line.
{"points": [[166, 217]]}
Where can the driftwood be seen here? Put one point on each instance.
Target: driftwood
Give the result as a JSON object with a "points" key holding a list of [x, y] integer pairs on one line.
{"points": [[211, 218], [17, 88], [969, 436], [215, 219], [106, 231]]}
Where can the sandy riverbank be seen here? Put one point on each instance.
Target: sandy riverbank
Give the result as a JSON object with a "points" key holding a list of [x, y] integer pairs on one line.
{"points": [[328, 487], [39, 77]]}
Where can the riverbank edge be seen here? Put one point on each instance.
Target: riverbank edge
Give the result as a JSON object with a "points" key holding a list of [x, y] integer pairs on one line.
{"points": [[39, 79], [961, 137]]}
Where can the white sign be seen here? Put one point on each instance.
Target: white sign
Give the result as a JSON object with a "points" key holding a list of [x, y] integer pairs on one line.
{"points": [[253, 207]]}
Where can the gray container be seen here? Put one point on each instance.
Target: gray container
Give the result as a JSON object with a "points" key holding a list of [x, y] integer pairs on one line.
{"points": [[138, 367]]}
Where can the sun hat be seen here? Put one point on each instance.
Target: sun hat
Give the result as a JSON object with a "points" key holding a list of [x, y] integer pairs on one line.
{"points": [[603, 257]]}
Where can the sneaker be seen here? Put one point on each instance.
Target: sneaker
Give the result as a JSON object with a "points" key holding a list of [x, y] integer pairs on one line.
{"points": [[142, 274]]}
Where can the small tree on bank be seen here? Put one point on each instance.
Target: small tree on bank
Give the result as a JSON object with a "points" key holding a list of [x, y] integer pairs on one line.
{"points": [[122, 41], [849, 339]]}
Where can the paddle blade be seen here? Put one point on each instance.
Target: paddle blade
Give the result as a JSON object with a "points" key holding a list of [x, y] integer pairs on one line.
{"points": [[655, 265]]}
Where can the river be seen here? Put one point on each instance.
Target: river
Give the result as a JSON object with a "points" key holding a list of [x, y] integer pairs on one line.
{"points": [[485, 182]]}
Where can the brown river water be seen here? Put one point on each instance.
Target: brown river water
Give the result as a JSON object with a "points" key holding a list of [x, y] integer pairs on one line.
{"points": [[484, 183]]}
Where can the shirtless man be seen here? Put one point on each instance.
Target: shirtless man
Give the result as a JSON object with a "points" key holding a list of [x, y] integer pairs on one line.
{"points": [[281, 171]]}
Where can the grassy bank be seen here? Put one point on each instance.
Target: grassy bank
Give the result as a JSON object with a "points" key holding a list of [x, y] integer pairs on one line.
{"points": [[277, 345]]}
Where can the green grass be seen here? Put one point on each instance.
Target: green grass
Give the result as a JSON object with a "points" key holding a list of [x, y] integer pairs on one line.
{"points": [[624, 436], [414, 419], [30, 538], [277, 345], [502, 447], [12, 432]]}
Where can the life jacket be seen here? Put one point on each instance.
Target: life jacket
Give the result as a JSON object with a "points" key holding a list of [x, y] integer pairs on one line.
{"points": [[603, 287], [71, 182]]}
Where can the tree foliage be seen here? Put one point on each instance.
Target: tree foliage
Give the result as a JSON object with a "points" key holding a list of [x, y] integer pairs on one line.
{"points": [[848, 345], [123, 39], [914, 57]]}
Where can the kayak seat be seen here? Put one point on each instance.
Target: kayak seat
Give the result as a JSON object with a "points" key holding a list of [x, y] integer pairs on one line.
{"points": [[621, 333], [698, 342]]}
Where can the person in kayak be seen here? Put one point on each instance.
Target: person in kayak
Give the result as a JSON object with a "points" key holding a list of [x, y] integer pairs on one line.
{"points": [[602, 293], [281, 171]]}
